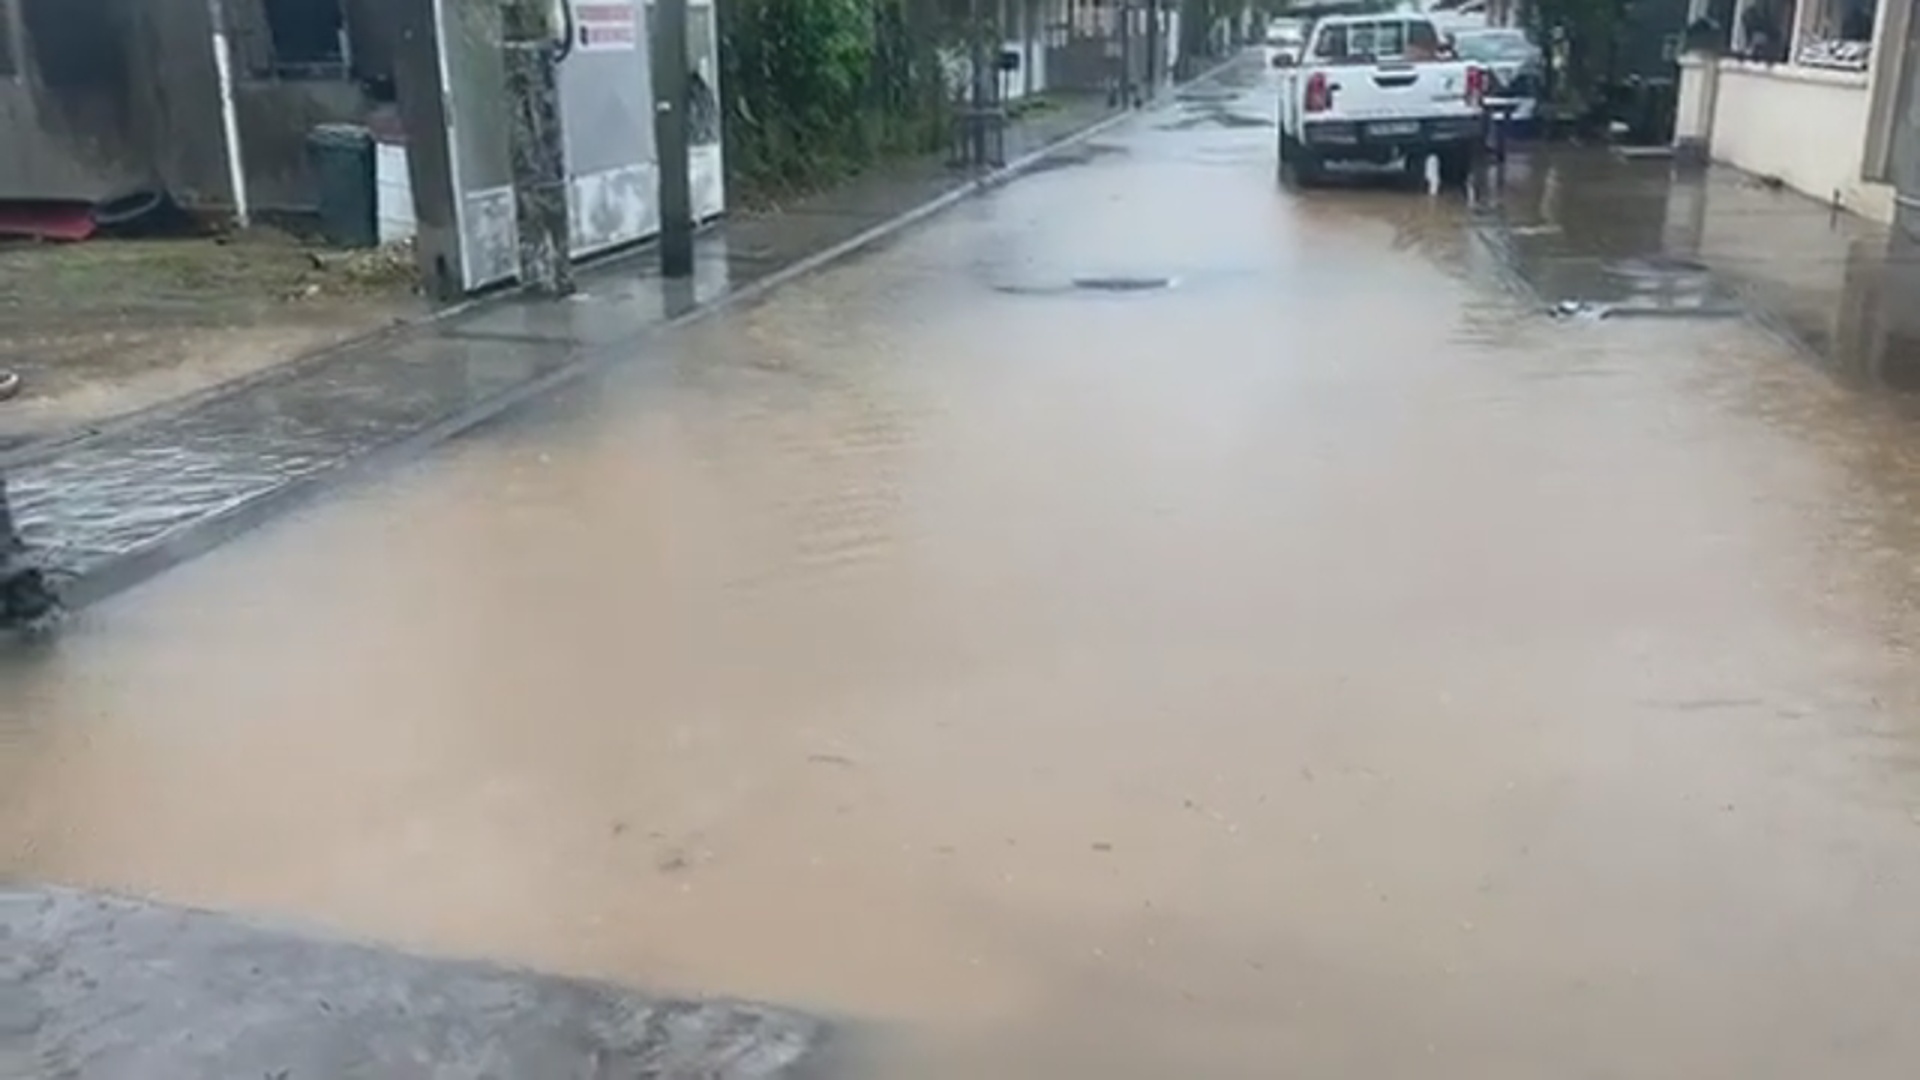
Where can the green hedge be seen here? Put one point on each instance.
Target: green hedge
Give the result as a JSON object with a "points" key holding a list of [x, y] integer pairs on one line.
{"points": [[817, 89]]}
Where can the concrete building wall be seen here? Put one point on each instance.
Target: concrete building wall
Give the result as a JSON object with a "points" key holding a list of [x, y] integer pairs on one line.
{"points": [[65, 117], [275, 118], [1836, 135], [1806, 126], [175, 95], [119, 93], [1902, 91], [49, 155]]}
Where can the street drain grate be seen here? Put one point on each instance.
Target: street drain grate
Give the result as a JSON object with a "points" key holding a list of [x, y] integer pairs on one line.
{"points": [[1122, 284], [1073, 157]]}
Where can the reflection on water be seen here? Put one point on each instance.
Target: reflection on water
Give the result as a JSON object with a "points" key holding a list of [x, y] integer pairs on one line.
{"points": [[1841, 288]]}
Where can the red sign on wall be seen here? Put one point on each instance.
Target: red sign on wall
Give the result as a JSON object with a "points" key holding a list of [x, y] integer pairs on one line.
{"points": [[605, 26]]}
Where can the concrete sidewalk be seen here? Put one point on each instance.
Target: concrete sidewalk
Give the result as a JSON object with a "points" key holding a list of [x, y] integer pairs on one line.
{"points": [[133, 496], [1624, 238], [114, 989]]}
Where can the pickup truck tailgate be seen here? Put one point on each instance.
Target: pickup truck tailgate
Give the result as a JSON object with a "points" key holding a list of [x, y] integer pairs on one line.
{"points": [[1387, 91]]}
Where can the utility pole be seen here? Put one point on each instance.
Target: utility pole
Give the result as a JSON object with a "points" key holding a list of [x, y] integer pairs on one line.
{"points": [[981, 92], [673, 94], [533, 44], [1154, 48], [1123, 9]]}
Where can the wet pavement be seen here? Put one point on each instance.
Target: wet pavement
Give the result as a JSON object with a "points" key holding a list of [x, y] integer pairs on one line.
{"points": [[114, 989], [1615, 237], [137, 494], [1143, 623]]}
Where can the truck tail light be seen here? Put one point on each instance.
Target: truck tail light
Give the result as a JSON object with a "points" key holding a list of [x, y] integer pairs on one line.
{"points": [[1478, 80], [1319, 94]]}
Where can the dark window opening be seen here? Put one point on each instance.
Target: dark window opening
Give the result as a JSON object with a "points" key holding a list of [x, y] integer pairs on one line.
{"points": [[308, 38]]}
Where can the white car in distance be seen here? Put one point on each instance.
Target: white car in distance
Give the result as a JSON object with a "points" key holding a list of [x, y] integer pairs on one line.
{"points": [[1286, 37]]}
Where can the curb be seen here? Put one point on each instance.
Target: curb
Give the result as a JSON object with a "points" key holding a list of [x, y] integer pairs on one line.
{"points": [[127, 569]]}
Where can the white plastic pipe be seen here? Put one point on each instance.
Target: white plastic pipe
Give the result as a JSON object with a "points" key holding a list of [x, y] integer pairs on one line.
{"points": [[229, 115]]}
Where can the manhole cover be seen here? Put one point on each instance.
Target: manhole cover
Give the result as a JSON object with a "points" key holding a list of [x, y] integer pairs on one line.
{"points": [[1228, 120], [1076, 156], [1122, 284]]}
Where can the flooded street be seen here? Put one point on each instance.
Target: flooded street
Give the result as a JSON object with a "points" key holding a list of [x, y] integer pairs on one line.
{"points": [[1144, 623]]}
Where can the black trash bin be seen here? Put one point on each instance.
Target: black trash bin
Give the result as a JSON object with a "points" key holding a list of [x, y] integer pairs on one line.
{"points": [[342, 156]]}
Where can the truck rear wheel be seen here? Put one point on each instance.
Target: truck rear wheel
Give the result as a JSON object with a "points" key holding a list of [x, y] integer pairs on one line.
{"points": [[1299, 166]]}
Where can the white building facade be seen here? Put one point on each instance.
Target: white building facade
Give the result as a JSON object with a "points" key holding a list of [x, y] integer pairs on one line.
{"points": [[1810, 93]]}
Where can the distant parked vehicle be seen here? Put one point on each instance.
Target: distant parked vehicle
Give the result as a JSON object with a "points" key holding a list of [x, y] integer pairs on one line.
{"points": [[1381, 89], [1518, 66], [1286, 38]]}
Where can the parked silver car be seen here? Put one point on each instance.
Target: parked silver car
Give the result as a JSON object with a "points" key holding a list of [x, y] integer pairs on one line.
{"points": [[1519, 67]]}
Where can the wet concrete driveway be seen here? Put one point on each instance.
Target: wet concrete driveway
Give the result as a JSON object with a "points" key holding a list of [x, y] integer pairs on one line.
{"points": [[1303, 659]]}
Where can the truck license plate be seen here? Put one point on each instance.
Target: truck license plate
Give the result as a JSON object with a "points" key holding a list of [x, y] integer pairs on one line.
{"points": [[1395, 127]]}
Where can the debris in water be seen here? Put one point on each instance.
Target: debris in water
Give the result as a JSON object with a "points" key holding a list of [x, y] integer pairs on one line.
{"points": [[1569, 309]]}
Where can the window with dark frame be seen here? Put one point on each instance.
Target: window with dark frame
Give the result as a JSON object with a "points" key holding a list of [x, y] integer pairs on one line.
{"points": [[1332, 44], [306, 38]]}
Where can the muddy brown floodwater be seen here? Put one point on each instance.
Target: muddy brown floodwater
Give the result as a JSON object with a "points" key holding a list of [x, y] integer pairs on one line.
{"points": [[1322, 667]]}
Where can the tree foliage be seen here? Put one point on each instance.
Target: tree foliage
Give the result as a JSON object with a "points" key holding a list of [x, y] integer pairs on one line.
{"points": [[814, 89], [1580, 38]]}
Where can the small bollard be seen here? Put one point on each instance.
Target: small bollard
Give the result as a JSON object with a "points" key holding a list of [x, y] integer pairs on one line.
{"points": [[1499, 114]]}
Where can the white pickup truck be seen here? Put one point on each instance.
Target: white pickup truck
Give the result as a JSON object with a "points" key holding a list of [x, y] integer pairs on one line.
{"points": [[1380, 88]]}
